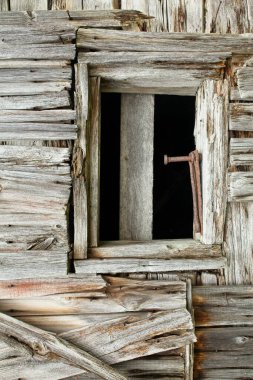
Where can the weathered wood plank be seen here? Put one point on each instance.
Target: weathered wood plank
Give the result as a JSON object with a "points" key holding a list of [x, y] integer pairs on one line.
{"points": [[238, 243], [155, 249], [46, 116], [13, 17], [136, 169], [211, 134], [66, 4], [245, 82], [38, 51], [34, 131], [78, 164], [96, 39], [27, 5], [241, 151], [154, 59], [11, 64], [35, 102], [241, 117], [129, 337], [100, 4], [32, 264], [44, 343], [4, 6], [223, 295], [26, 88], [144, 265], [136, 79], [92, 162], [240, 186], [43, 74]]}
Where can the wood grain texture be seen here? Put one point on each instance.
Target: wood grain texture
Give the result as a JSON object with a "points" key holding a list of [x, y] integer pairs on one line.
{"points": [[241, 151], [46, 116], [136, 167], [211, 134], [78, 164], [38, 51], [245, 82], [241, 117], [240, 186], [92, 168], [44, 343], [155, 249], [27, 5], [36, 102], [66, 4], [4, 6], [34, 131], [109, 40]]}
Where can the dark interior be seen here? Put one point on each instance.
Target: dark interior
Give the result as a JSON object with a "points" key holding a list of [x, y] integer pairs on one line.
{"points": [[173, 135]]}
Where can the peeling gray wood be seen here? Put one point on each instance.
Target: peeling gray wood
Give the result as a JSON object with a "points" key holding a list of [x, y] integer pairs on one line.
{"points": [[92, 169], [96, 39], [136, 167], [26, 88], [145, 265], [155, 249], [211, 134], [35, 102], [46, 116], [241, 151], [43, 74], [36, 131], [245, 82], [240, 186], [44, 343], [66, 4], [27, 5], [38, 51], [32, 264], [78, 164], [241, 117]]}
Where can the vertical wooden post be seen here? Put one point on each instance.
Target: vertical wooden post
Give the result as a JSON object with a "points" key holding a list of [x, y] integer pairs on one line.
{"points": [[136, 167], [79, 155], [211, 133], [93, 160]]}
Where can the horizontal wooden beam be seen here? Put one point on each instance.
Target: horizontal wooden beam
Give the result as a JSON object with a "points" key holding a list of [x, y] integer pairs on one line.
{"points": [[240, 186], [241, 117], [35, 131], [36, 102], [155, 249], [241, 151], [45, 116], [111, 40]]}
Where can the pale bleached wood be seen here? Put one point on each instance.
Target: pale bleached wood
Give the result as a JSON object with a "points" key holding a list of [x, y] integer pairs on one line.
{"points": [[229, 16], [44, 343], [30, 88], [61, 65], [46, 116], [211, 134], [241, 151], [36, 131], [100, 4], [35, 102], [129, 337], [136, 167], [144, 265], [66, 4], [27, 5], [241, 117], [238, 243], [44, 74], [240, 185], [207, 278], [38, 51], [239, 296], [31, 264], [93, 161], [189, 349], [136, 79], [4, 6], [155, 249], [154, 59], [96, 39], [78, 164], [244, 82]]}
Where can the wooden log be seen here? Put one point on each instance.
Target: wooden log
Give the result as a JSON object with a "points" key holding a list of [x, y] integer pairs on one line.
{"points": [[47, 116], [154, 59], [241, 117], [245, 83], [96, 39], [36, 102], [211, 134], [128, 337], [38, 51], [44, 343], [34, 131], [136, 169], [31, 264], [238, 243], [240, 186], [145, 265], [155, 249], [241, 151], [78, 163], [27, 5], [92, 163], [136, 79]]}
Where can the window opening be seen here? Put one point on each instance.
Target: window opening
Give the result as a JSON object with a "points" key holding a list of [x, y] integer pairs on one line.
{"points": [[172, 194]]}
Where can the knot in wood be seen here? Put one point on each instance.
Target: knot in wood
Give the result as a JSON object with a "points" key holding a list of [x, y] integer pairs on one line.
{"points": [[40, 348]]}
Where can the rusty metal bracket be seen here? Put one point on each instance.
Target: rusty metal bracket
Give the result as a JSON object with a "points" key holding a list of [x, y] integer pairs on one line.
{"points": [[193, 159]]}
